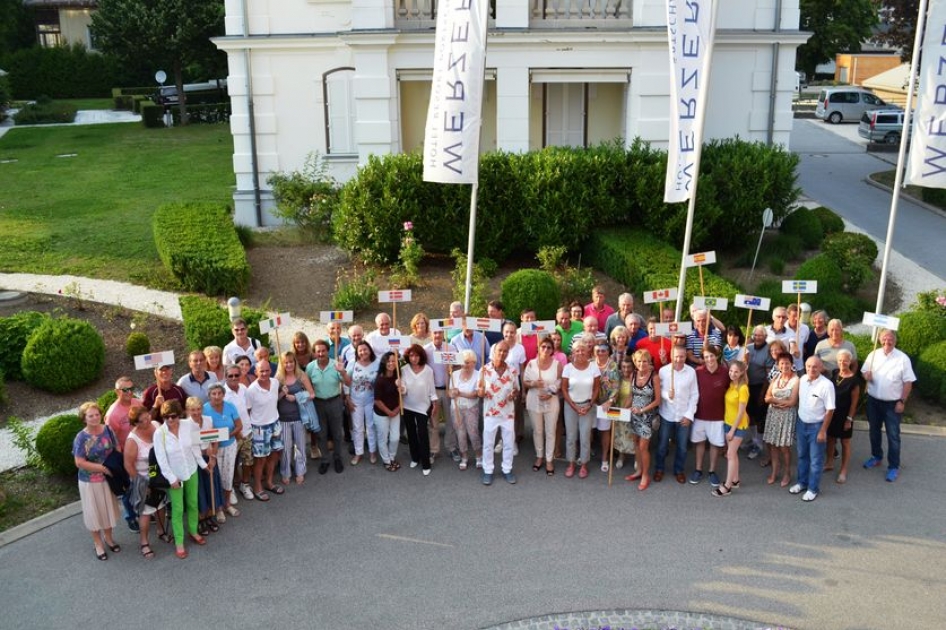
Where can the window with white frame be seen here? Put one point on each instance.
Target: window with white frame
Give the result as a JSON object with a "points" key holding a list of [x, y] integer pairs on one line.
{"points": [[339, 97]]}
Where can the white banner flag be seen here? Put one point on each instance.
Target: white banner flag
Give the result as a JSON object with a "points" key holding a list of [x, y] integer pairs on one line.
{"points": [[452, 137], [926, 165], [690, 28]]}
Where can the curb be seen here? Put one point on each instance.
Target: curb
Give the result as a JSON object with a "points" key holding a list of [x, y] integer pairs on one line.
{"points": [[926, 206], [40, 523]]}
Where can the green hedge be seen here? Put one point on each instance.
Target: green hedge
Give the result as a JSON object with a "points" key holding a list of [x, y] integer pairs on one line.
{"points": [[531, 288], [862, 343], [62, 355], [15, 331], [60, 72], [207, 323], [918, 330], [45, 112], [54, 443], [558, 196], [931, 373], [803, 223], [152, 114], [198, 244], [831, 222], [824, 269], [855, 255], [640, 261]]}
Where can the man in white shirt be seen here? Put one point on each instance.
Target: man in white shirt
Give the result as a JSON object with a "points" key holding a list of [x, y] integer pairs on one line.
{"points": [[516, 359], [799, 337], [234, 393], [241, 345], [261, 398], [890, 379], [679, 395], [815, 408], [378, 339], [440, 383]]}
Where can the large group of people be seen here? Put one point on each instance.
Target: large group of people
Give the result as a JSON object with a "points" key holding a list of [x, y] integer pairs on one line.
{"points": [[790, 386]]}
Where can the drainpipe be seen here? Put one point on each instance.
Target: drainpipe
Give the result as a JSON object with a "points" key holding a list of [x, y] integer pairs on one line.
{"points": [[773, 84], [254, 159]]}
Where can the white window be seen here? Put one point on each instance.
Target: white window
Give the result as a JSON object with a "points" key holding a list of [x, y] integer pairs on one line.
{"points": [[339, 95], [565, 114]]}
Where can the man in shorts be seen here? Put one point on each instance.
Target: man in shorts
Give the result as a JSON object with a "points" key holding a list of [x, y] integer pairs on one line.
{"points": [[261, 398]]}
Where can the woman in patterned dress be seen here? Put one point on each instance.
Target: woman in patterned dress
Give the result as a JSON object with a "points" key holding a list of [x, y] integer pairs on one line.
{"points": [[92, 445], [624, 437], [645, 400], [782, 398], [607, 393]]}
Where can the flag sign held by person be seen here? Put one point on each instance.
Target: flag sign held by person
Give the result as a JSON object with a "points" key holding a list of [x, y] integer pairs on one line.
{"points": [[448, 323], [392, 297], [798, 287], [543, 328], [273, 325], [154, 360], [447, 358], [698, 260], [328, 317], [753, 303]]}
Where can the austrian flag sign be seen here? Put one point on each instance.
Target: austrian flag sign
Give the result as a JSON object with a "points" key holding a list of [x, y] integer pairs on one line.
{"points": [[385, 297], [454, 117]]}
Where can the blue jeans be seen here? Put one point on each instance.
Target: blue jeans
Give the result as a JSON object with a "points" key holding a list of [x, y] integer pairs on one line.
{"points": [[681, 436], [881, 412], [810, 455]]}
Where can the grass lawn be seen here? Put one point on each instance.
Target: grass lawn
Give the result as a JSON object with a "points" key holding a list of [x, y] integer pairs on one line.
{"points": [[90, 215]]}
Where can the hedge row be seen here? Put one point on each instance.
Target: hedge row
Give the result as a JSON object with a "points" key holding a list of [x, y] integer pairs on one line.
{"points": [[60, 72], [46, 112], [558, 196], [638, 260], [207, 323], [198, 244], [931, 373], [15, 331]]}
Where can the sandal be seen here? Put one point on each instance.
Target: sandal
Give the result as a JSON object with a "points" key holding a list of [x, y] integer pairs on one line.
{"points": [[197, 538], [114, 547], [181, 553], [549, 472], [101, 556], [149, 554], [537, 466], [277, 490], [212, 525], [261, 496], [202, 528], [166, 537]]}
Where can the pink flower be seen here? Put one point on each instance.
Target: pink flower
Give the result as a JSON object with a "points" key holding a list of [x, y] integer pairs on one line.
{"points": [[408, 226]]}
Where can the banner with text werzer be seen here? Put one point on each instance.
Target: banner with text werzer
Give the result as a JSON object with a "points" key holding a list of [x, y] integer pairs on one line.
{"points": [[690, 30], [452, 136], [926, 165]]}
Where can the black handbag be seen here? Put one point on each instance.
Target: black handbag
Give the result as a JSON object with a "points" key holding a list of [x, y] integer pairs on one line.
{"points": [[156, 479]]}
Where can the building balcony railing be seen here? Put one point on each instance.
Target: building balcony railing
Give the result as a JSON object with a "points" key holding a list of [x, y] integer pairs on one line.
{"points": [[422, 14]]}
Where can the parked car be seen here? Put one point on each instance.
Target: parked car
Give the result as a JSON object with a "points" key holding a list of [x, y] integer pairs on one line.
{"points": [[882, 125], [847, 103], [208, 92]]}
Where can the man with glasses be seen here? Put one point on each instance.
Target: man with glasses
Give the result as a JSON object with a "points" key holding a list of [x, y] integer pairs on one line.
{"points": [[241, 345], [234, 393]]}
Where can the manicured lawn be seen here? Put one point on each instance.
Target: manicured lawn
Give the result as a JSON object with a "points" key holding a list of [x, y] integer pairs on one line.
{"points": [[91, 103], [90, 215]]}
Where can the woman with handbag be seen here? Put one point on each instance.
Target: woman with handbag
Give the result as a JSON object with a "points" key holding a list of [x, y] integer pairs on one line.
{"points": [[146, 502], [91, 447], [178, 454]]}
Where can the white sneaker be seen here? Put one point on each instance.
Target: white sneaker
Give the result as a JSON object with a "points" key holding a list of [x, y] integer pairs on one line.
{"points": [[233, 498], [604, 467], [499, 447], [479, 463], [797, 489], [463, 464], [426, 471], [809, 496], [620, 463], [247, 491], [413, 464]]}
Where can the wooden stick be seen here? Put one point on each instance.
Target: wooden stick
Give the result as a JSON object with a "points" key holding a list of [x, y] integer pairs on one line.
{"points": [[394, 314], [748, 334], [278, 346], [702, 290], [798, 324], [397, 368], [709, 318], [611, 455]]}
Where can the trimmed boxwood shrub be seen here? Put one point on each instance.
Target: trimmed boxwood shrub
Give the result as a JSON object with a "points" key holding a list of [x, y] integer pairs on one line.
{"points": [[855, 255], [825, 270], [152, 114], [207, 323], [638, 260], [137, 343], [831, 222], [931, 373], [46, 112], [15, 331], [804, 224], [531, 288], [918, 330], [844, 306], [198, 244], [54, 443], [62, 355]]}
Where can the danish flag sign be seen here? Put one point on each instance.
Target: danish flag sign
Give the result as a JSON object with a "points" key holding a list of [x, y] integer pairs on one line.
{"points": [[397, 295]]}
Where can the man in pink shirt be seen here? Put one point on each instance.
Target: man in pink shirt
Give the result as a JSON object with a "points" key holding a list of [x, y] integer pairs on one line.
{"points": [[598, 308], [116, 418]]}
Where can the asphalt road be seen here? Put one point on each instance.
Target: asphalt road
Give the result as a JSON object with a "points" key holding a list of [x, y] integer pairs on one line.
{"points": [[372, 549], [833, 168]]}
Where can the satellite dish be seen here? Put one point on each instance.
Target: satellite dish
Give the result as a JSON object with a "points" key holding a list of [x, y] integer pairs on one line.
{"points": [[767, 217], [160, 76]]}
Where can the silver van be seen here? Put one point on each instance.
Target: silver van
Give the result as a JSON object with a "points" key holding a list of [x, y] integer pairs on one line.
{"points": [[847, 104], [884, 125]]}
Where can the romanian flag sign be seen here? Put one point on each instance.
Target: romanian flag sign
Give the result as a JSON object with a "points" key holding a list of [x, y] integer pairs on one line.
{"points": [[327, 317]]}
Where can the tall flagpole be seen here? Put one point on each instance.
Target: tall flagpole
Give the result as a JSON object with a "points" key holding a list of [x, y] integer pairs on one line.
{"points": [[469, 247], [904, 140]]}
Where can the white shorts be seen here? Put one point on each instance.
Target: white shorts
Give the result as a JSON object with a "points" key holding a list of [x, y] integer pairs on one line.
{"points": [[711, 430]]}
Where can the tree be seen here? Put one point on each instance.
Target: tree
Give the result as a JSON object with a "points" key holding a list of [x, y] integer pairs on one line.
{"points": [[837, 26], [898, 26], [16, 27], [170, 33]]}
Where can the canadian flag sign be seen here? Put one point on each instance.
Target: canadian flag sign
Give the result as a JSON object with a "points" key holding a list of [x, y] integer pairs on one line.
{"points": [[660, 295]]}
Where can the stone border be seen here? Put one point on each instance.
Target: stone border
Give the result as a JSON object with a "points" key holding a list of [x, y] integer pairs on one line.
{"points": [[40, 522], [634, 620]]}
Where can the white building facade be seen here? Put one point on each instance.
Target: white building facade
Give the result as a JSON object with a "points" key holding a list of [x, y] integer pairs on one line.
{"points": [[351, 78]]}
